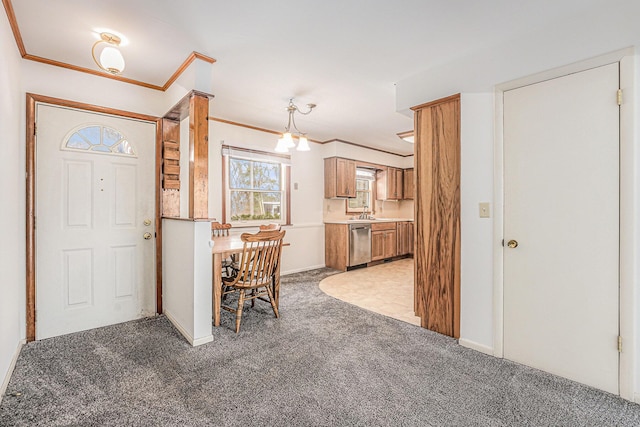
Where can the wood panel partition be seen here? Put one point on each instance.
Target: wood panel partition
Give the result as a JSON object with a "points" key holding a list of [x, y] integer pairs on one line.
{"points": [[437, 215], [170, 152]]}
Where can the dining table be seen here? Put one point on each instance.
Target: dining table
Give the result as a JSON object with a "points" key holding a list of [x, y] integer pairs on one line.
{"points": [[223, 247]]}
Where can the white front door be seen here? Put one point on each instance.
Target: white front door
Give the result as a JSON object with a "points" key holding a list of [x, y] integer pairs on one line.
{"points": [[95, 200], [561, 206]]}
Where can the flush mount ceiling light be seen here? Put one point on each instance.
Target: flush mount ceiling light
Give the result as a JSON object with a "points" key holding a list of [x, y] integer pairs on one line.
{"points": [[406, 136], [111, 59], [286, 140]]}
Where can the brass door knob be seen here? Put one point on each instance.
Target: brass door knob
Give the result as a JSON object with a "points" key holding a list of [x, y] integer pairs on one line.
{"points": [[512, 244], [146, 236]]}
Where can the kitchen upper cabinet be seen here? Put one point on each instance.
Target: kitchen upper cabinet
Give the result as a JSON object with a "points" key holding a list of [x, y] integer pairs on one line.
{"points": [[389, 184], [383, 241], [339, 177], [408, 187]]}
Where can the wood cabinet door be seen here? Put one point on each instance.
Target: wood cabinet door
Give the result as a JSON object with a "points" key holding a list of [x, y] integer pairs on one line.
{"points": [[398, 190], [392, 193], [390, 242], [377, 245], [400, 238], [407, 184], [346, 178], [404, 236], [336, 246]]}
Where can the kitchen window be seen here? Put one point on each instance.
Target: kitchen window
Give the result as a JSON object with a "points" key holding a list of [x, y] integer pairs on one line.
{"points": [[365, 183], [256, 187]]}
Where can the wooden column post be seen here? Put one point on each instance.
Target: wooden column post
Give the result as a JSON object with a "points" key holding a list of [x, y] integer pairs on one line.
{"points": [[437, 219], [198, 156]]}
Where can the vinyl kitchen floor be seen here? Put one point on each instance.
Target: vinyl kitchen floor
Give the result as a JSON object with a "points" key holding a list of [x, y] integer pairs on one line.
{"points": [[386, 289]]}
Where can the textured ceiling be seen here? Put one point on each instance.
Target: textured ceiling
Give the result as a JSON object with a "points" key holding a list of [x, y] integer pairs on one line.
{"points": [[344, 56]]}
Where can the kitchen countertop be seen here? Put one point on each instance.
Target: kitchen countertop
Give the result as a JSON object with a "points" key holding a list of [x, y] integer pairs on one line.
{"points": [[365, 221]]}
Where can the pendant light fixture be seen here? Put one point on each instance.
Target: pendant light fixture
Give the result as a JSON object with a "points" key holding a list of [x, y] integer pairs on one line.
{"points": [[286, 140], [111, 59]]}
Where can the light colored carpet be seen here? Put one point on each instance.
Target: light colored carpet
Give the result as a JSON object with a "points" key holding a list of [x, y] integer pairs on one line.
{"points": [[385, 289]]}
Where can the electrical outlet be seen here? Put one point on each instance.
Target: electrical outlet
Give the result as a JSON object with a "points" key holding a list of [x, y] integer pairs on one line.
{"points": [[295, 185]]}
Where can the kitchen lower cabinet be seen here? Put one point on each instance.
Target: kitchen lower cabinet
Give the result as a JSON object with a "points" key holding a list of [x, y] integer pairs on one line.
{"points": [[404, 232], [336, 246], [383, 240]]}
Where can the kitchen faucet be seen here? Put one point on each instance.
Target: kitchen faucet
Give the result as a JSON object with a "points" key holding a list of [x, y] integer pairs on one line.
{"points": [[363, 215]]}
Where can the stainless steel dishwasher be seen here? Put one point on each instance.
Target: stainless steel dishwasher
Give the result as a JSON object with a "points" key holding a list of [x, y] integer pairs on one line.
{"points": [[359, 244]]}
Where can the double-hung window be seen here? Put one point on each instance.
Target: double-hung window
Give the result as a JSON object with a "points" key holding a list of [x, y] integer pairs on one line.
{"points": [[256, 187], [365, 182]]}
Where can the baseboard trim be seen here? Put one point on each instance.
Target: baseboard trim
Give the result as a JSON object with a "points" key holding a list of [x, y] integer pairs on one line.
{"points": [[476, 346], [202, 340], [636, 398], [300, 270], [185, 334], [12, 365]]}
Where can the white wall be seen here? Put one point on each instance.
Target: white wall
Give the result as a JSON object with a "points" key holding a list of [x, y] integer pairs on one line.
{"points": [[12, 214], [590, 33], [187, 277], [306, 235], [350, 151], [476, 179]]}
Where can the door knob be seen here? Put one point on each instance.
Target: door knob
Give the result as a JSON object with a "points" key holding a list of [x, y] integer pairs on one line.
{"points": [[512, 244], [146, 236]]}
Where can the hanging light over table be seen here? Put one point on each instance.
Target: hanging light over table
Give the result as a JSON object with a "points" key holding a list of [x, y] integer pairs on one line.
{"points": [[286, 140]]}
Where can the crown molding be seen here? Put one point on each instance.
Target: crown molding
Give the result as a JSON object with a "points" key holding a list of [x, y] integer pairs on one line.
{"points": [[8, 7], [367, 147], [275, 132]]}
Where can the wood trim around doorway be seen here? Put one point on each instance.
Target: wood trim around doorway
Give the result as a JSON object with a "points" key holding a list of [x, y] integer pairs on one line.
{"points": [[31, 101]]}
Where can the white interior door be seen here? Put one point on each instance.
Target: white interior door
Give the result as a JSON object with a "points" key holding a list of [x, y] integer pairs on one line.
{"points": [[95, 200], [561, 205]]}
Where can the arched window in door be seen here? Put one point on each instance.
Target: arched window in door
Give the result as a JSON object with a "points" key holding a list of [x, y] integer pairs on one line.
{"points": [[98, 139]]}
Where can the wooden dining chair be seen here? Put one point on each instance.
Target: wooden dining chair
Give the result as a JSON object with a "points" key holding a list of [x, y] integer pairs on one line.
{"points": [[259, 262], [229, 265], [270, 226]]}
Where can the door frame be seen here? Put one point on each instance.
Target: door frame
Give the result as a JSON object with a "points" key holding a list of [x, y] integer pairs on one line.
{"points": [[628, 250], [31, 104]]}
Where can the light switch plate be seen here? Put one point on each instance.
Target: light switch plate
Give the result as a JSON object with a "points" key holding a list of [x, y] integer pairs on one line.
{"points": [[484, 210]]}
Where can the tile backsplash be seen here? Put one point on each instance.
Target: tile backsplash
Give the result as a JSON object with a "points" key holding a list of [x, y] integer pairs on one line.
{"points": [[335, 209]]}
